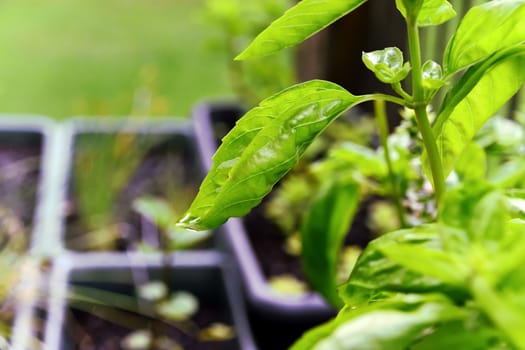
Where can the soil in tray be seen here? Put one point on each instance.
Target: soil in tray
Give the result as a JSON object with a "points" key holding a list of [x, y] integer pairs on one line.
{"points": [[19, 172], [268, 242], [167, 170], [103, 329]]}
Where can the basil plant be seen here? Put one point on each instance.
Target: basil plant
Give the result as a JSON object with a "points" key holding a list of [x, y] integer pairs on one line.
{"points": [[455, 281]]}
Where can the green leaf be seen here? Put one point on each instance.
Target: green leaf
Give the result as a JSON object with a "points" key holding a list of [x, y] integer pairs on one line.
{"points": [[264, 145], [160, 213], [501, 135], [481, 91], [432, 76], [472, 164], [181, 306], [445, 266], [433, 12], [137, 340], [368, 161], [180, 238], [509, 174], [506, 315], [156, 210], [392, 324], [463, 335], [459, 204], [485, 29], [324, 227], [387, 64], [152, 290], [375, 272], [516, 201], [297, 24], [510, 258], [477, 209]]}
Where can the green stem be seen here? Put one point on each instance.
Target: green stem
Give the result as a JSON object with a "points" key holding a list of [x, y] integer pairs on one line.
{"points": [[401, 92], [420, 108], [384, 97], [382, 124]]}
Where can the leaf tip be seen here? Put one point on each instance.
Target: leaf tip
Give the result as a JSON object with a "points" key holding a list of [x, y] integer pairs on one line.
{"points": [[190, 222]]}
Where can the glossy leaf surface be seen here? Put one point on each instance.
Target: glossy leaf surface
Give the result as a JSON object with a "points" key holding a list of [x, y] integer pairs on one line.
{"points": [[322, 234], [375, 271], [263, 146], [387, 64], [461, 335], [474, 99], [442, 265], [432, 75], [485, 29], [433, 12], [297, 24], [386, 325]]}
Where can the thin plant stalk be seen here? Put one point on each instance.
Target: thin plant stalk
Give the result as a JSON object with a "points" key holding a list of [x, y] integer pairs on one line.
{"points": [[419, 105], [382, 125]]}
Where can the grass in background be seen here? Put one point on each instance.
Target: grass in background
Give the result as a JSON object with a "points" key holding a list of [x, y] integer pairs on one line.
{"points": [[105, 57]]}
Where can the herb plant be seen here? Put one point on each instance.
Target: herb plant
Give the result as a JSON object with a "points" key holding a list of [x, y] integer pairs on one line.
{"points": [[162, 215], [177, 309], [456, 280], [105, 164]]}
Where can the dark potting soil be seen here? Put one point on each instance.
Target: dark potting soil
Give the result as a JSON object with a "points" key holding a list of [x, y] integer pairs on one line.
{"points": [[103, 329], [19, 172], [268, 240], [168, 170]]}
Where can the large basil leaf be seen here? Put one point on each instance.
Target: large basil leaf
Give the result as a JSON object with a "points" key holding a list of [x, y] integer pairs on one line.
{"points": [[485, 29], [506, 309], [478, 210], [393, 324], [297, 24], [464, 335], [376, 272], [324, 227], [433, 12], [263, 146], [445, 266], [482, 90]]}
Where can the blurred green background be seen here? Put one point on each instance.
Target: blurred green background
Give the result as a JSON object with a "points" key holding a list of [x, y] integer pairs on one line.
{"points": [[106, 57]]}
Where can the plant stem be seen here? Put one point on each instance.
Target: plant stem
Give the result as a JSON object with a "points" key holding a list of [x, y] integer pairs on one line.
{"points": [[382, 124], [420, 108], [401, 92], [384, 97]]}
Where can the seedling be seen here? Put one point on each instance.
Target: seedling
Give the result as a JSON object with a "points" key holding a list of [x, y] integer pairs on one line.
{"points": [[105, 164], [177, 308], [161, 213], [456, 280]]}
